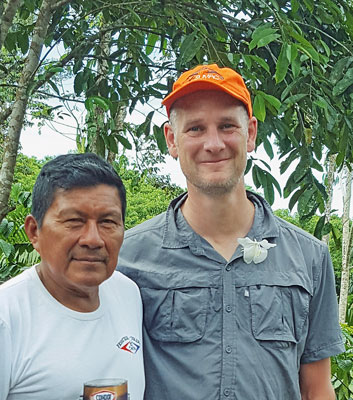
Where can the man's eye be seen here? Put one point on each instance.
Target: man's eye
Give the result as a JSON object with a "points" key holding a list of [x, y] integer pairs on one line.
{"points": [[108, 222], [194, 129], [227, 126], [74, 221]]}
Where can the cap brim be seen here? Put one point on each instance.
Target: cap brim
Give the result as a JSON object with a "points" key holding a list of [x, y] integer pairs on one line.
{"points": [[196, 86]]}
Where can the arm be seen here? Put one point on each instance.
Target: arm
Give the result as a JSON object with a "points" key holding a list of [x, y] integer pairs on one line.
{"points": [[5, 360], [315, 381]]}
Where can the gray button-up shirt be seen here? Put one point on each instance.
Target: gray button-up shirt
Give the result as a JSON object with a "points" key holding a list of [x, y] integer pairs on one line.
{"points": [[229, 330]]}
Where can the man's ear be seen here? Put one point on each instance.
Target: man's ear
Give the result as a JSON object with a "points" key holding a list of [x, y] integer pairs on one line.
{"points": [[170, 140], [252, 133], [32, 231]]}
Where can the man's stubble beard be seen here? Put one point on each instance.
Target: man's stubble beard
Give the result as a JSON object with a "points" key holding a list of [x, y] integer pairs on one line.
{"points": [[215, 188]]}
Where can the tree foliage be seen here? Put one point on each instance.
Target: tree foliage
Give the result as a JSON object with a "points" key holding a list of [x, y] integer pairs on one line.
{"points": [[296, 58]]}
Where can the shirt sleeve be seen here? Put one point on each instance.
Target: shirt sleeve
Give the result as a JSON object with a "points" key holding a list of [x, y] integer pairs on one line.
{"points": [[5, 360], [325, 335]]}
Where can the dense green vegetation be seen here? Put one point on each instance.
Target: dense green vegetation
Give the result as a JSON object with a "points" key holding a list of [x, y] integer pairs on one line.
{"points": [[147, 196]]}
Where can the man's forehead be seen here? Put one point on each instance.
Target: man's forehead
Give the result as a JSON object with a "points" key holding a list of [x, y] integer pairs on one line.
{"points": [[70, 195]]}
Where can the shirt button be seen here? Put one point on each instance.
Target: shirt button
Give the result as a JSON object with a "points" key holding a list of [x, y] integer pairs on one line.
{"points": [[228, 308], [228, 268], [226, 392], [228, 349]]}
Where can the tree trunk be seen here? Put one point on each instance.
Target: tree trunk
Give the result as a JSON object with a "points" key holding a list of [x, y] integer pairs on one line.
{"points": [[344, 288], [19, 107], [6, 18], [331, 168], [95, 139]]}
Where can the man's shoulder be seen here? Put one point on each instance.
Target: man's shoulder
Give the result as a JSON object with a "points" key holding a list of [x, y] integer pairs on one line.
{"points": [[119, 281], [153, 224], [15, 295], [299, 233], [16, 284]]}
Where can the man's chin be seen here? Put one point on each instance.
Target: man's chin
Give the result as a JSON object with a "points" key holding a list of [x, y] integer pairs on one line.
{"points": [[216, 189]]}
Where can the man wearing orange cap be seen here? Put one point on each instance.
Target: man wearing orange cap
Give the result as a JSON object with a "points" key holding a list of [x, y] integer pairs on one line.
{"points": [[238, 304]]}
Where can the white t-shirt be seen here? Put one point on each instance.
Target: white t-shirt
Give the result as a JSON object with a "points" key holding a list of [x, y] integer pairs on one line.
{"points": [[48, 351]]}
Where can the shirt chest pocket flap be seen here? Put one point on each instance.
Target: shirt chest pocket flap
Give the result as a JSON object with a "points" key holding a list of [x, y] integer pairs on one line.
{"points": [[175, 315], [279, 308]]}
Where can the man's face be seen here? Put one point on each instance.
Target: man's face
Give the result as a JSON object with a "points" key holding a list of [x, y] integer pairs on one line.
{"points": [[211, 135], [80, 238]]}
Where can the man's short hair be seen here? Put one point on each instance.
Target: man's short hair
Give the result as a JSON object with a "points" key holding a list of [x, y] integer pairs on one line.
{"points": [[71, 171]]}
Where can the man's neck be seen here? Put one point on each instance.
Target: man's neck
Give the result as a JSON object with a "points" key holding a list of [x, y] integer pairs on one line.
{"points": [[76, 299], [221, 219]]}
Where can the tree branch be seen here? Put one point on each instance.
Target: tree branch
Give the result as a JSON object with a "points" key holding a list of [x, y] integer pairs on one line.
{"points": [[7, 18], [4, 114], [59, 4]]}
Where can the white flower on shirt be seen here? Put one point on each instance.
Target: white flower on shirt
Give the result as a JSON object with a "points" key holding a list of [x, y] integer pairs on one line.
{"points": [[253, 250]]}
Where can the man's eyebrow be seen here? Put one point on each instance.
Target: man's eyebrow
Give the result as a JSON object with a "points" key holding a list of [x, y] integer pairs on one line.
{"points": [[75, 211], [193, 122]]}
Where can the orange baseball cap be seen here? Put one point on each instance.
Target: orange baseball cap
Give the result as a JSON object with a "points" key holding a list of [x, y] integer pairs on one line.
{"points": [[209, 77]]}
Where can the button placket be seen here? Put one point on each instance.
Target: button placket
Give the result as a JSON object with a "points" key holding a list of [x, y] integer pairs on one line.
{"points": [[228, 332]]}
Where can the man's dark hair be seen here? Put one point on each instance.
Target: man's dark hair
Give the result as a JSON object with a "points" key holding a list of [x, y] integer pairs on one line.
{"points": [[71, 171]]}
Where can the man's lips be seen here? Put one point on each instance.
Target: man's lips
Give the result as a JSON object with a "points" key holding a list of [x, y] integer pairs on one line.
{"points": [[214, 161], [89, 259]]}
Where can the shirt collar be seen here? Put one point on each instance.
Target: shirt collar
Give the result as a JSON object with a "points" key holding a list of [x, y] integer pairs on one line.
{"points": [[178, 234]]}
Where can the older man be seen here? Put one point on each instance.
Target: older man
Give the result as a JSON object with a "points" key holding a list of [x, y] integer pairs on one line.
{"points": [[238, 304], [72, 318]]}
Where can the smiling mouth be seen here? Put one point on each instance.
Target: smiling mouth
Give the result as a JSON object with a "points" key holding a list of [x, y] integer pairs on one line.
{"points": [[89, 259], [214, 161]]}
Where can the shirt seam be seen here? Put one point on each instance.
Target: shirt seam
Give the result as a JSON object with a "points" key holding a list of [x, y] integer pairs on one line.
{"points": [[313, 352]]}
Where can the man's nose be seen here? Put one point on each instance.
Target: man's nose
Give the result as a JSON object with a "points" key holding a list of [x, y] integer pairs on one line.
{"points": [[91, 236], [213, 140]]}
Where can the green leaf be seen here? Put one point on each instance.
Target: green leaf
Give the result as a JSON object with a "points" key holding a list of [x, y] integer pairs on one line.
{"points": [[112, 145], [23, 42], [99, 101], [10, 41], [124, 142], [275, 4], [263, 41], [340, 68], [296, 64], [268, 147], [190, 46], [295, 6], [53, 85], [344, 83], [293, 100], [151, 42], [316, 165], [304, 202], [145, 127], [255, 176], [293, 200], [272, 100], [263, 30], [319, 227], [282, 64], [77, 66], [309, 5], [6, 248], [269, 193], [54, 70], [310, 52], [159, 135], [261, 62], [259, 107], [79, 83]]}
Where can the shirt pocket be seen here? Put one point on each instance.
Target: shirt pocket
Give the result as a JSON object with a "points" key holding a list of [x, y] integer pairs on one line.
{"points": [[279, 309], [175, 315]]}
